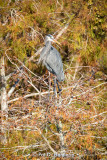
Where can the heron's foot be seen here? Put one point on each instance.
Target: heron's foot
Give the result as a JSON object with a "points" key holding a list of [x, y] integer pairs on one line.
{"points": [[59, 90]]}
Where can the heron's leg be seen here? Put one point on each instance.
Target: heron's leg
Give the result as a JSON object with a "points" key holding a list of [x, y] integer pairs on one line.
{"points": [[49, 86], [59, 90]]}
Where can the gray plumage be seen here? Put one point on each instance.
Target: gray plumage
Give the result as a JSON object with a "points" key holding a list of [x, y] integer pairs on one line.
{"points": [[51, 58]]}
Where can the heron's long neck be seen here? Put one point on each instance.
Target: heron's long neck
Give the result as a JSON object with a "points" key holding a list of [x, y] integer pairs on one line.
{"points": [[47, 46], [45, 51]]}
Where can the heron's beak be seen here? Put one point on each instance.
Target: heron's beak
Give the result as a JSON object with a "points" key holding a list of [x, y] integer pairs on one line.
{"points": [[56, 41]]}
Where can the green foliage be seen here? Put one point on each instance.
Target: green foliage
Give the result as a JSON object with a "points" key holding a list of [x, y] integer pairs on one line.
{"points": [[86, 34]]}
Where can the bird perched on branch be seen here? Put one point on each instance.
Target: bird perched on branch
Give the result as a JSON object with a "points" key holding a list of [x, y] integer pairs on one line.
{"points": [[51, 58]]}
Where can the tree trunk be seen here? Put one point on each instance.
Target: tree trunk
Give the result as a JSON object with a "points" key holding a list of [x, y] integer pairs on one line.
{"points": [[4, 106]]}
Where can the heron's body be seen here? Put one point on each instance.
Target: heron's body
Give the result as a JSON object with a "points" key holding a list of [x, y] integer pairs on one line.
{"points": [[51, 59]]}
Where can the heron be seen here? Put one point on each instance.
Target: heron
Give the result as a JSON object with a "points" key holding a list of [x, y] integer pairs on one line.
{"points": [[51, 58]]}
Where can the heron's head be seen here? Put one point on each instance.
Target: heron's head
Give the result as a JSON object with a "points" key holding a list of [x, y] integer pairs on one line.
{"points": [[50, 38]]}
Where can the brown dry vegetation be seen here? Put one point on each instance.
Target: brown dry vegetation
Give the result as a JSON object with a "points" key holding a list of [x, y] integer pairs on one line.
{"points": [[40, 125]]}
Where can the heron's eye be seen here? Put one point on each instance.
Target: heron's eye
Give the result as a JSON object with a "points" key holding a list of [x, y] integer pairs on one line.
{"points": [[51, 36]]}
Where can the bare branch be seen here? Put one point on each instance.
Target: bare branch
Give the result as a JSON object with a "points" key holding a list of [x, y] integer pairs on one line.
{"points": [[36, 54], [23, 73], [25, 67], [29, 95], [47, 142]]}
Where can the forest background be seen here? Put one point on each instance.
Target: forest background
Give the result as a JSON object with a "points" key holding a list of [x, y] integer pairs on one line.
{"points": [[34, 123]]}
